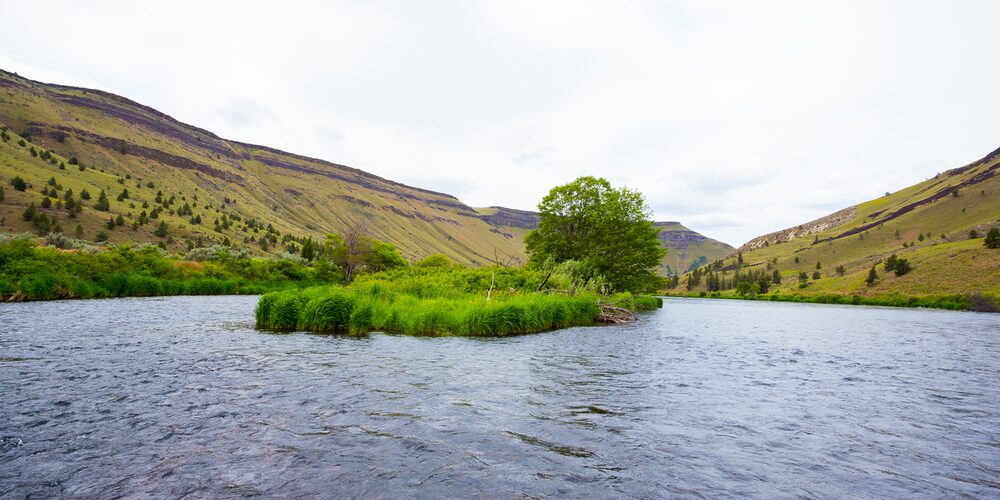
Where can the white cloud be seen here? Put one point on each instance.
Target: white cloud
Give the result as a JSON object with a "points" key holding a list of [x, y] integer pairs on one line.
{"points": [[735, 118]]}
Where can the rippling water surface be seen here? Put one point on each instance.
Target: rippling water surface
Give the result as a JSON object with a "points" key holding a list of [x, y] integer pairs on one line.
{"points": [[179, 396]]}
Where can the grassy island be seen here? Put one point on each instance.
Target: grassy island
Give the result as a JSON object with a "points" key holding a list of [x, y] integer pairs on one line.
{"points": [[445, 299]]}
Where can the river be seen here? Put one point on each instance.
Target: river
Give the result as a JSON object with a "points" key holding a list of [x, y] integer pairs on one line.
{"points": [[180, 396]]}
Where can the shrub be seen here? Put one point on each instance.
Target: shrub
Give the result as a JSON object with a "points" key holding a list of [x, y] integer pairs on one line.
{"points": [[992, 238]]}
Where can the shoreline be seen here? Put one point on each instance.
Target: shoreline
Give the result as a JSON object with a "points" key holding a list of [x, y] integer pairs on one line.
{"points": [[953, 302]]}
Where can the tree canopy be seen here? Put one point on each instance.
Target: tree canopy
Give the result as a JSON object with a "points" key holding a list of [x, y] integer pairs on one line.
{"points": [[354, 250], [609, 231]]}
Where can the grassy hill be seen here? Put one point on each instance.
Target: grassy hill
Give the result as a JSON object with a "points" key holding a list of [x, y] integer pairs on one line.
{"points": [[245, 188], [929, 224], [688, 249]]}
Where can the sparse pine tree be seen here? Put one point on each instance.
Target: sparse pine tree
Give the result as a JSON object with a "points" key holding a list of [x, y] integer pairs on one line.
{"points": [[872, 277], [973, 234], [816, 275], [46, 202], [18, 184], [102, 203], [29, 213], [161, 230], [818, 265], [840, 270], [992, 238], [902, 267]]}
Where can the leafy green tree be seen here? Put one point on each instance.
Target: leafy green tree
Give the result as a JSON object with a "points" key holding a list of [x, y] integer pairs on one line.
{"points": [[383, 257], [609, 231], [992, 238]]}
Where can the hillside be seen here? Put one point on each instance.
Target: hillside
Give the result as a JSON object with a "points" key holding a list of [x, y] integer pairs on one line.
{"points": [[688, 249], [237, 190], [929, 224]]}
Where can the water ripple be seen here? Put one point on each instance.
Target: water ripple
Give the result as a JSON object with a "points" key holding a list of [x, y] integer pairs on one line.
{"points": [[173, 397]]}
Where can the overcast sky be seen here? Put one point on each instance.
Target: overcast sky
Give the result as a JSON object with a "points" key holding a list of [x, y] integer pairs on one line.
{"points": [[735, 118]]}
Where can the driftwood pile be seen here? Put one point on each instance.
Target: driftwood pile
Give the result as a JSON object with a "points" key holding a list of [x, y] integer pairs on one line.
{"points": [[615, 314]]}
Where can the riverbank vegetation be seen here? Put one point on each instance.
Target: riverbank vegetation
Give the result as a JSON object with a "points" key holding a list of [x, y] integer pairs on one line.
{"points": [[955, 302], [594, 246], [65, 268], [434, 297]]}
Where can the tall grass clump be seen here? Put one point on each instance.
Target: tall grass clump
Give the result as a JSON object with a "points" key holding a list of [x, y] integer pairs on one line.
{"points": [[378, 307], [327, 313]]}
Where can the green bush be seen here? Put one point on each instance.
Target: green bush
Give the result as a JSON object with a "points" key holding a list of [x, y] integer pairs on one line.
{"points": [[35, 272]]}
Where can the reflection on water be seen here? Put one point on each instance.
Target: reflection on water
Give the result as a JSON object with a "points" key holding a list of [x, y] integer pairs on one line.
{"points": [[178, 396]]}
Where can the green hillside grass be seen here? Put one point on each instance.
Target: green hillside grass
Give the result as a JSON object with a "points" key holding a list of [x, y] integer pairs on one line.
{"points": [[687, 249], [947, 261], [114, 137]]}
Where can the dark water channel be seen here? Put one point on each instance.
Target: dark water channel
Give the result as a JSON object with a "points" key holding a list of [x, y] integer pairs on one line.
{"points": [[174, 397]]}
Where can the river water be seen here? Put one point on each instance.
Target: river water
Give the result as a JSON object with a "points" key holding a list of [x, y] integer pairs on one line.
{"points": [[180, 396]]}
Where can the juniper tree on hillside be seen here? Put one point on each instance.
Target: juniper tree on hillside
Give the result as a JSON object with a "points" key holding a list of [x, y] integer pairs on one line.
{"points": [[872, 277], [102, 203], [992, 238]]}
